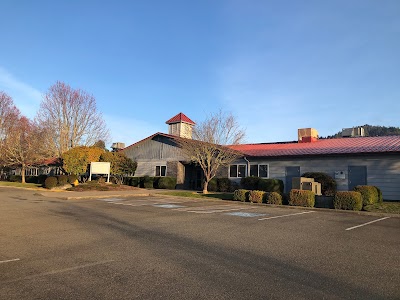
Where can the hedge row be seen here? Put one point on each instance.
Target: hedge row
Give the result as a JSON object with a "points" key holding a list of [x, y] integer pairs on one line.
{"points": [[257, 196], [152, 182], [222, 184], [261, 184], [53, 181], [369, 194], [302, 198], [348, 200]]}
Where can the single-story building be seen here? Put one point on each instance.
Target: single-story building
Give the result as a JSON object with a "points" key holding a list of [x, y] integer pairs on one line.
{"points": [[51, 167], [350, 161]]}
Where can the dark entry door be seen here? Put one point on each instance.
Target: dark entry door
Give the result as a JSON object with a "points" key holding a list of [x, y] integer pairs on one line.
{"points": [[357, 176], [291, 172]]}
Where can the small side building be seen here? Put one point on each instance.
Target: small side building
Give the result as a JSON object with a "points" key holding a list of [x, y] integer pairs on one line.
{"points": [[350, 161]]}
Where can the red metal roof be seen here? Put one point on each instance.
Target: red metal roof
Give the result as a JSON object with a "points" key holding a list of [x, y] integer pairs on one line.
{"points": [[180, 118], [379, 144]]}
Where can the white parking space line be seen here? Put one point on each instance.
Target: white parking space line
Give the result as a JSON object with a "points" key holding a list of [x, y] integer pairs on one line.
{"points": [[304, 212], [9, 260], [354, 227], [212, 207], [216, 210]]}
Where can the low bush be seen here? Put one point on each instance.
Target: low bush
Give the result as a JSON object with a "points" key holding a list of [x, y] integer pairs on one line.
{"points": [[348, 200], [302, 198], [62, 180], [146, 182], [369, 194], [380, 196], [270, 185], [328, 184], [241, 195], [50, 182], [41, 179], [212, 185], [31, 179], [224, 184], [249, 183], [167, 183], [15, 178], [134, 181], [155, 179], [72, 178], [256, 196], [274, 198]]}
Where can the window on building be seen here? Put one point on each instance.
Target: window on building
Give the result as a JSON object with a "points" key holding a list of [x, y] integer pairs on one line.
{"points": [[161, 170], [259, 170], [237, 170], [263, 171], [31, 172], [254, 170]]}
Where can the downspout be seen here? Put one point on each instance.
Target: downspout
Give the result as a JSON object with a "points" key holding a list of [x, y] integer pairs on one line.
{"points": [[248, 166]]}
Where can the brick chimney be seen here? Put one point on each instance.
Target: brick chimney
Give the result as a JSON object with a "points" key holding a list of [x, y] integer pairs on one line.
{"points": [[307, 135]]}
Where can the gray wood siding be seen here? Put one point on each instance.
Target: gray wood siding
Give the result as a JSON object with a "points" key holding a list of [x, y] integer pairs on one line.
{"points": [[161, 149], [383, 171], [155, 152]]}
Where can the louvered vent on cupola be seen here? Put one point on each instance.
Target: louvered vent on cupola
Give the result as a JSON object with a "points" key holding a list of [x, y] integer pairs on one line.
{"points": [[180, 125]]}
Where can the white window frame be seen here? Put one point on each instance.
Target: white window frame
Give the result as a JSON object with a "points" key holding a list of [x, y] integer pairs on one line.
{"points": [[237, 171], [161, 167], [258, 170]]}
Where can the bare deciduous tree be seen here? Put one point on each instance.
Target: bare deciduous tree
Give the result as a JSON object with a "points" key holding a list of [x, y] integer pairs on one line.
{"points": [[26, 145], [72, 117], [208, 146], [9, 116]]}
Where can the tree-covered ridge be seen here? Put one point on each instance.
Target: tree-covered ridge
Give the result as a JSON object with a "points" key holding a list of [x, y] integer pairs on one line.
{"points": [[371, 130]]}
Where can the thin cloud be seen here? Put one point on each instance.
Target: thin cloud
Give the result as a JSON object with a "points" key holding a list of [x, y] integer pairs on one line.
{"points": [[25, 97]]}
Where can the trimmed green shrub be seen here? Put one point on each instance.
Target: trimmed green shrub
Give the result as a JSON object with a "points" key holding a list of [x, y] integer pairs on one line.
{"points": [[15, 178], [241, 195], [348, 200], [270, 185], [249, 183], [62, 179], [256, 196], [302, 198], [146, 182], [167, 183], [369, 194], [380, 196], [212, 185], [72, 178], [155, 181], [224, 184], [328, 184], [31, 179], [41, 179], [50, 182], [134, 181], [274, 198]]}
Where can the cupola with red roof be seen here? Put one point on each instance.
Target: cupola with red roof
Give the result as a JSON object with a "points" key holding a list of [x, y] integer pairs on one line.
{"points": [[180, 125]]}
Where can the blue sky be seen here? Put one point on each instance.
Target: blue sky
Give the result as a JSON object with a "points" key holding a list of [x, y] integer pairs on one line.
{"points": [[276, 65]]}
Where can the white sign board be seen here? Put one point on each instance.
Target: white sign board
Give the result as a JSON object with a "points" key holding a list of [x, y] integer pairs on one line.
{"points": [[100, 168]]}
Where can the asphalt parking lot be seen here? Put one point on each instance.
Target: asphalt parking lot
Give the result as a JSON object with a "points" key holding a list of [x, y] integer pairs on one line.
{"points": [[179, 248]]}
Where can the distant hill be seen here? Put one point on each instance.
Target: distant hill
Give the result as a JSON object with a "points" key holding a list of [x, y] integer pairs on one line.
{"points": [[371, 130]]}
